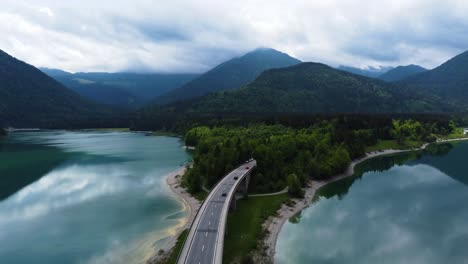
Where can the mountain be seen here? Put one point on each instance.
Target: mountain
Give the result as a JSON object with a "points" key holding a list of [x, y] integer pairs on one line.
{"points": [[449, 81], [101, 93], [370, 72], [401, 72], [128, 90], [231, 74], [30, 98], [146, 86], [306, 88]]}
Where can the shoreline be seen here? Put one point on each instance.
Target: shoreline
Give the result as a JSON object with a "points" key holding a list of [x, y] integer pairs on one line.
{"points": [[189, 202], [274, 224]]}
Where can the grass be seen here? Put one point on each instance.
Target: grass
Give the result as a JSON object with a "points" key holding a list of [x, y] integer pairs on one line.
{"points": [[244, 225], [172, 258], [200, 196], [392, 144], [457, 133]]}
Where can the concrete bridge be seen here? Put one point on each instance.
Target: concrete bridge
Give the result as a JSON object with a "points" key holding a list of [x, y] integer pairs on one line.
{"points": [[205, 241]]}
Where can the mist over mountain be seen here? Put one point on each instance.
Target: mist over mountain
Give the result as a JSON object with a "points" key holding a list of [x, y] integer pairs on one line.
{"points": [[370, 72]]}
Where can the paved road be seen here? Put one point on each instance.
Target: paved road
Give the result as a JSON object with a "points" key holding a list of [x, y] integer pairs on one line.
{"points": [[208, 227]]}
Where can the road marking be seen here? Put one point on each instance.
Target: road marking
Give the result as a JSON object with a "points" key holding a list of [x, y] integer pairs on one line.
{"points": [[211, 213], [203, 248], [206, 234], [209, 223]]}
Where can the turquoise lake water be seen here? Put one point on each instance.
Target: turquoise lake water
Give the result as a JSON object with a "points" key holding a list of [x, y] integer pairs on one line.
{"points": [[408, 208], [86, 197]]}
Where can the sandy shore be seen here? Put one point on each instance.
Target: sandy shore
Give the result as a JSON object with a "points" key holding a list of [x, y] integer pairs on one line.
{"points": [[190, 204], [274, 224]]}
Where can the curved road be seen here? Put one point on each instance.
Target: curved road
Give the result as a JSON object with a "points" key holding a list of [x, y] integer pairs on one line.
{"points": [[204, 243]]}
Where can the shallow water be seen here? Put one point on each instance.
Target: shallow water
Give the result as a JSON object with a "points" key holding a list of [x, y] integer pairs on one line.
{"points": [[72, 197], [410, 208]]}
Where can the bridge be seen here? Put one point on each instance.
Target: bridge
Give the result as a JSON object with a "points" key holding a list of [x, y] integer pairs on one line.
{"points": [[205, 241]]}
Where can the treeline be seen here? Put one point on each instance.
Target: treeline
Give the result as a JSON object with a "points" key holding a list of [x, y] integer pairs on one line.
{"points": [[295, 153], [175, 121]]}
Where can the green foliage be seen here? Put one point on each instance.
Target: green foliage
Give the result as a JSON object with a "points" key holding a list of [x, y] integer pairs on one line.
{"points": [[279, 151], [316, 152], [294, 186]]}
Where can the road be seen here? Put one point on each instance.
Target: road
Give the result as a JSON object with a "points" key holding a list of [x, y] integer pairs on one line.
{"points": [[205, 241]]}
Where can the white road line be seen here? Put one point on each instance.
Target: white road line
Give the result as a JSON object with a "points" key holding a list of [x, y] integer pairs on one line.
{"points": [[203, 248], [209, 223], [206, 234]]}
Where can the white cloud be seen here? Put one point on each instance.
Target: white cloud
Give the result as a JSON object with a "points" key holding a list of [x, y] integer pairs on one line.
{"points": [[194, 35], [46, 11]]}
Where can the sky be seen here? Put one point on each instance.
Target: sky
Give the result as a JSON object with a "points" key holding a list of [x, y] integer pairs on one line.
{"points": [[195, 35]]}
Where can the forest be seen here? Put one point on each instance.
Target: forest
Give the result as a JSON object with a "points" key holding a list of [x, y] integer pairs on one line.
{"points": [[290, 155]]}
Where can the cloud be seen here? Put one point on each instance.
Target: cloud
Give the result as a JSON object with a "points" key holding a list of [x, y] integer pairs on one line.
{"points": [[193, 35]]}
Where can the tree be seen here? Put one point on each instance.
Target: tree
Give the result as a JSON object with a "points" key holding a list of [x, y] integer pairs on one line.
{"points": [[294, 186]]}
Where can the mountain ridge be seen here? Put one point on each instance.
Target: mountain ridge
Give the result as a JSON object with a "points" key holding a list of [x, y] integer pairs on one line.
{"points": [[230, 74]]}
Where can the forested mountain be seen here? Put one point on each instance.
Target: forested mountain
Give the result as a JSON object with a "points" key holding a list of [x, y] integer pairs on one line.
{"points": [[401, 72], [371, 72], [448, 81], [101, 93], [230, 74], [30, 98], [128, 90], [146, 86], [310, 88]]}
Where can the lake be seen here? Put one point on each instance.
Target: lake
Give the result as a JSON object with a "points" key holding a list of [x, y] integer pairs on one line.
{"points": [[406, 208], [87, 197]]}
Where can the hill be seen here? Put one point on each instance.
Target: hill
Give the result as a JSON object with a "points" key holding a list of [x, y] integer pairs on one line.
{"points": [[30, 98], [303, 88], [129, 90], [371, 72], [401, 72], [448, 81], [230, 74]]}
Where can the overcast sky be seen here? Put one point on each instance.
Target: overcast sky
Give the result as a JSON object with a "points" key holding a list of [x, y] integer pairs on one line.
{"points": [[194, 35]]}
